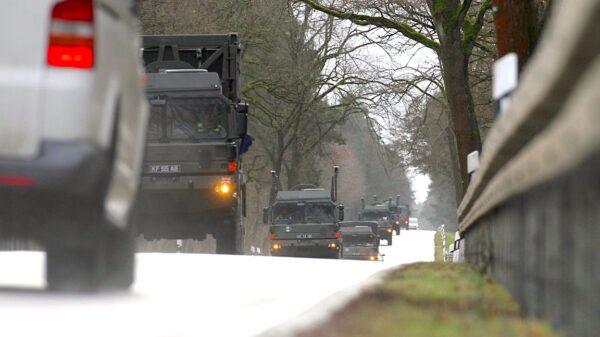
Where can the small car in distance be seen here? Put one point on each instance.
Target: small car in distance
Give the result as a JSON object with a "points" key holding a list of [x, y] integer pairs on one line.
{"points": [[413, 223]]}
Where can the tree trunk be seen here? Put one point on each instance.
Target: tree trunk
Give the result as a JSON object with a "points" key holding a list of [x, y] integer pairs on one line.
{"points": [[278, 164], [460, 101], [516, 30], [293, 172]]}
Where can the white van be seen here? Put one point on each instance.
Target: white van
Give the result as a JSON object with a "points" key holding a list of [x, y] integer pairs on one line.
{"points": [[73, 119], [413, 223]]}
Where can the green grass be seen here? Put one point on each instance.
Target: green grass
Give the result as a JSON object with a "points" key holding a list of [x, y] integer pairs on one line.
{"points": [[439, 255], [432, 300]]}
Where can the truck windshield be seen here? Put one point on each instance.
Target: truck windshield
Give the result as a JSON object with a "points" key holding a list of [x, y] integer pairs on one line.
{"points": [[360, 240], [287, 214], [375, 215], [310, 213], [403, 211], [319, 213], [189, 119]]}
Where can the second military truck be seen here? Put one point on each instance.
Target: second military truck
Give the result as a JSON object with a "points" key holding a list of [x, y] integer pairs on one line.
{"points": [[192, 183], [382, 214], [305, 221]]}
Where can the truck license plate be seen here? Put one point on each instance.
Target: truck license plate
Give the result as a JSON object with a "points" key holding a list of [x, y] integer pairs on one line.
{"points": [[304, 236], [165, 168]]}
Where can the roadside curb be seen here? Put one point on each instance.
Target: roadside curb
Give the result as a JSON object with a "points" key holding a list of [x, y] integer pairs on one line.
{"points": [[322, 311]]}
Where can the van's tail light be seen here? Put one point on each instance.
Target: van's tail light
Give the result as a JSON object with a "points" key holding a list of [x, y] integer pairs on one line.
{"points": [[71, 42], [17, 181]]}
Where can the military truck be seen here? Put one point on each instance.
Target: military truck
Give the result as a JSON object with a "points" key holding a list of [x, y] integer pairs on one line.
{"points": [[381, 213], [192, 182], [361, 241], [400, 214], [304, 221]]}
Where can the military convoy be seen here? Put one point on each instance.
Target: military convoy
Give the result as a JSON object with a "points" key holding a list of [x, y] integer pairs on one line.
{"points": [[304, 221], [192, 183]]}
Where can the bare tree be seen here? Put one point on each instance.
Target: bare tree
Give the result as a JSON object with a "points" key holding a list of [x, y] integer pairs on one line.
{"points": [[449, 29]]}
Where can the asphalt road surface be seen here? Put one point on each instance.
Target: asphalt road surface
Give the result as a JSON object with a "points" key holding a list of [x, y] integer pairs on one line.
{"points": [[181, 295]]}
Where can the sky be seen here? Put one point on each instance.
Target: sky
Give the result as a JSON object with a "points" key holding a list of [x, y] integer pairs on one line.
{"points": [[420, 186]]}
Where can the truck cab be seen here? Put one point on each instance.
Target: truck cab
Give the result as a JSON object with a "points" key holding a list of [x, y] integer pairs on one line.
{"points": [[380, 213], [304, 222], [400, 214]]}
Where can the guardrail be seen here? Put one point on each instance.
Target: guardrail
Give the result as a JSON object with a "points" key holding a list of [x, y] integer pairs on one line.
{"points": [[531, 216]]}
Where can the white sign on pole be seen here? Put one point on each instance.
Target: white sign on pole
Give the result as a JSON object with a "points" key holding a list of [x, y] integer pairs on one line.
{"points": [[472, 162], [506, 73]]}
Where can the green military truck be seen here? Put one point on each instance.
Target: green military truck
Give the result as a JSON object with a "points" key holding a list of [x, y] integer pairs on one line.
{"points": [[304, 221], [400, 214], [381, 213], [192, 183]]}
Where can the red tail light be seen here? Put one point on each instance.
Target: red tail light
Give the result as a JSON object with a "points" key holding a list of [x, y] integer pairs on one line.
{"points": [[16, 181], [271, 236], [338, 235], [72, 35], [232, 167]]}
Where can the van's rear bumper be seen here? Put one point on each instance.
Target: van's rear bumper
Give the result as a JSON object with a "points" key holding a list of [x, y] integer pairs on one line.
{"points": [[63, 200]]}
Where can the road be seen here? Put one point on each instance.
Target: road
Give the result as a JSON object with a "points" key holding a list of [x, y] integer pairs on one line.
{"points": [[190, 294]]}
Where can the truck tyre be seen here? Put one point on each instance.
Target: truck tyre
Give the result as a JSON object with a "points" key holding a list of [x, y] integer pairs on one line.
{"points": [[72, 269], [389, 240], [226, 237], [119, 254]]}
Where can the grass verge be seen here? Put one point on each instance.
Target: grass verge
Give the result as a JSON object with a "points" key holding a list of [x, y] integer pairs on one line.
{"points": [[439, 254], [432, 300]]}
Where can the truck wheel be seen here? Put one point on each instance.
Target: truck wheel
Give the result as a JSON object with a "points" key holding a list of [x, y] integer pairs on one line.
{"points": [[226, 238], [390, 239], [119, 254], [72, 269]]}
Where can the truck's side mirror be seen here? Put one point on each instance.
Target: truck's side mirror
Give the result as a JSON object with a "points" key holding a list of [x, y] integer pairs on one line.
{"points": [[341, 212], [241, 119], [241, 123], [266, 215]]}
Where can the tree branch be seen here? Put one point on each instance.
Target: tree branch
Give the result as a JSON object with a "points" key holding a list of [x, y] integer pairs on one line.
{"points": [[378, 21]]}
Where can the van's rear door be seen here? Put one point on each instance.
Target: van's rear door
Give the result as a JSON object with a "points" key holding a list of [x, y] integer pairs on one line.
{"points": [[24, 41]]}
